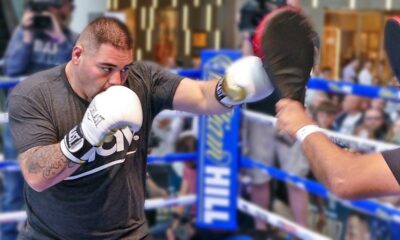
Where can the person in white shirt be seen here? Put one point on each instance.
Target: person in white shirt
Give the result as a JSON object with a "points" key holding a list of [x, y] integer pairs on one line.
{"points": [[349, 73], [365, 76]]}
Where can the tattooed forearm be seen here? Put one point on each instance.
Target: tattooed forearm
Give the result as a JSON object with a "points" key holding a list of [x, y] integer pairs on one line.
{"points": [[45, 166], [48, 161]]}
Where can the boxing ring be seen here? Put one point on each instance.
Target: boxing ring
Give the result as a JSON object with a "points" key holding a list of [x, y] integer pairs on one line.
{"points": [[370, 207]]}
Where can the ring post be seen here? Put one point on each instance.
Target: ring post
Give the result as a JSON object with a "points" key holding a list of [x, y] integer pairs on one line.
{"points": [[217, 166]]}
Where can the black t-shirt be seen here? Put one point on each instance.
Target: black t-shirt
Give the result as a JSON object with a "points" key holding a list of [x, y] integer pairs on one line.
{"points": [[103, 199]]}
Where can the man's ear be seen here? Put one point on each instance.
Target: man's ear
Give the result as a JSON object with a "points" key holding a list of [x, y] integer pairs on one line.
{"points": [[76, 54]]}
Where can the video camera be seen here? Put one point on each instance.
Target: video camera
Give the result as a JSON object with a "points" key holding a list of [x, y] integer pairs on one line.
{"points": [[39, 21]]}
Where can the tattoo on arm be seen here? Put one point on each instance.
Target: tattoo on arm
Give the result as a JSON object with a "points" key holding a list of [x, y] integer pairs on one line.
{"points": [[48, 161]]}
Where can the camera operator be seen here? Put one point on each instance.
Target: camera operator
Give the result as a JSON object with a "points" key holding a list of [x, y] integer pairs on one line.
{"points": [[42, 40], [250, 15]]}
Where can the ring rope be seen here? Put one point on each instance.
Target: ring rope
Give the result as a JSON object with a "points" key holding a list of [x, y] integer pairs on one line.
{"points": [[343, 140], [371, 207], [278, 221], [19, 216], [326, 85], [243, 205]]}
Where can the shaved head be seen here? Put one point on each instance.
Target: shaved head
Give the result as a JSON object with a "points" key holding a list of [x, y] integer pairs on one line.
{"points": [[106, 30]]}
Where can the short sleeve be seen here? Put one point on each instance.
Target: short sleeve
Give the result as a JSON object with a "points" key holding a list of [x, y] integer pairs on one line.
{"points": [[164, 85], [30, 123], [392, 158]]}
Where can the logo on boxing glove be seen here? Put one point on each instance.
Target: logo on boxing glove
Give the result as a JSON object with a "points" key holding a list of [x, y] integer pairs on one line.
{"points": [[76, 147], [74, 140], [93, 115]]}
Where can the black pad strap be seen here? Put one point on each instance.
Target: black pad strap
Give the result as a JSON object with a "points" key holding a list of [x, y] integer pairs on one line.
{"points": [[392, 158]]}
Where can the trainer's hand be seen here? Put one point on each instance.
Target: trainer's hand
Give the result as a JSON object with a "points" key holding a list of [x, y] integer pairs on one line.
{"points": [[26, 24], [245, 81], [116, 108], [291, 116]]}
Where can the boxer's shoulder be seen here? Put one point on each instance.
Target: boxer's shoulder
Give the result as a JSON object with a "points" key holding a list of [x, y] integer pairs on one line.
{"points": [[143, 68]]}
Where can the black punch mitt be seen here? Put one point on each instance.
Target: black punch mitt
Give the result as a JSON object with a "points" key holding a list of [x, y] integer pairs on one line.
{"points": [[286, 42]]}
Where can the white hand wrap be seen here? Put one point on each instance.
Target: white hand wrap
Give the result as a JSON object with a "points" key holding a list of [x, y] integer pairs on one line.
{"points": [[307, 130]]}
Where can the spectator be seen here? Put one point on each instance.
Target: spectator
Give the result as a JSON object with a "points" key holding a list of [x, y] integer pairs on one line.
{"points": [[289, 155], [394, 132], [381, 105], [356, 228], [325, 114], [326, 73], [350, 116], [153, 191], [313, 99], [30, 50], [365, 76], [316, 71], [373, 125], [381, 77], [165, 132], [258, 136], [378, 103], [349, 73], [251, 13], [182, 226]]}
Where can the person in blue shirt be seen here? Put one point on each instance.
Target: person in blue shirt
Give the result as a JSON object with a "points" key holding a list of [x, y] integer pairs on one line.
{"points": [[32, 49]]}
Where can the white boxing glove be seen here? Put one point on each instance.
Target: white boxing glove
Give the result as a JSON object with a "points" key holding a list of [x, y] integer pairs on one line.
{"points": [[116, 108], [245, 81]]}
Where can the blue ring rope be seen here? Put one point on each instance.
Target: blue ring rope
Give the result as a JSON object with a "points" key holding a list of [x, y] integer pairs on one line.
{"points": [[366, 206], [330, 86]]}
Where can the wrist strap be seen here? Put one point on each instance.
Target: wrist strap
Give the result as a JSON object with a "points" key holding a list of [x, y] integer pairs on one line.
{"points": [[76, 148], [305, 131], [220, 94]]}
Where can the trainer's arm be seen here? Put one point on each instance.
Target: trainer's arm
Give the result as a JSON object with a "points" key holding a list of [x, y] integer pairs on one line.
{"points": [[346, 174], [45, 166]]}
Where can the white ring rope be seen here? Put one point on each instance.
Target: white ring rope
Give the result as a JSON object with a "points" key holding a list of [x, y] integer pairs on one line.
{"points": [[20, 216], [3, 117], [174, 113], [278, 221], [11, 217], [243, 205], [341, 139], [169, 202], [338, 138]]}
